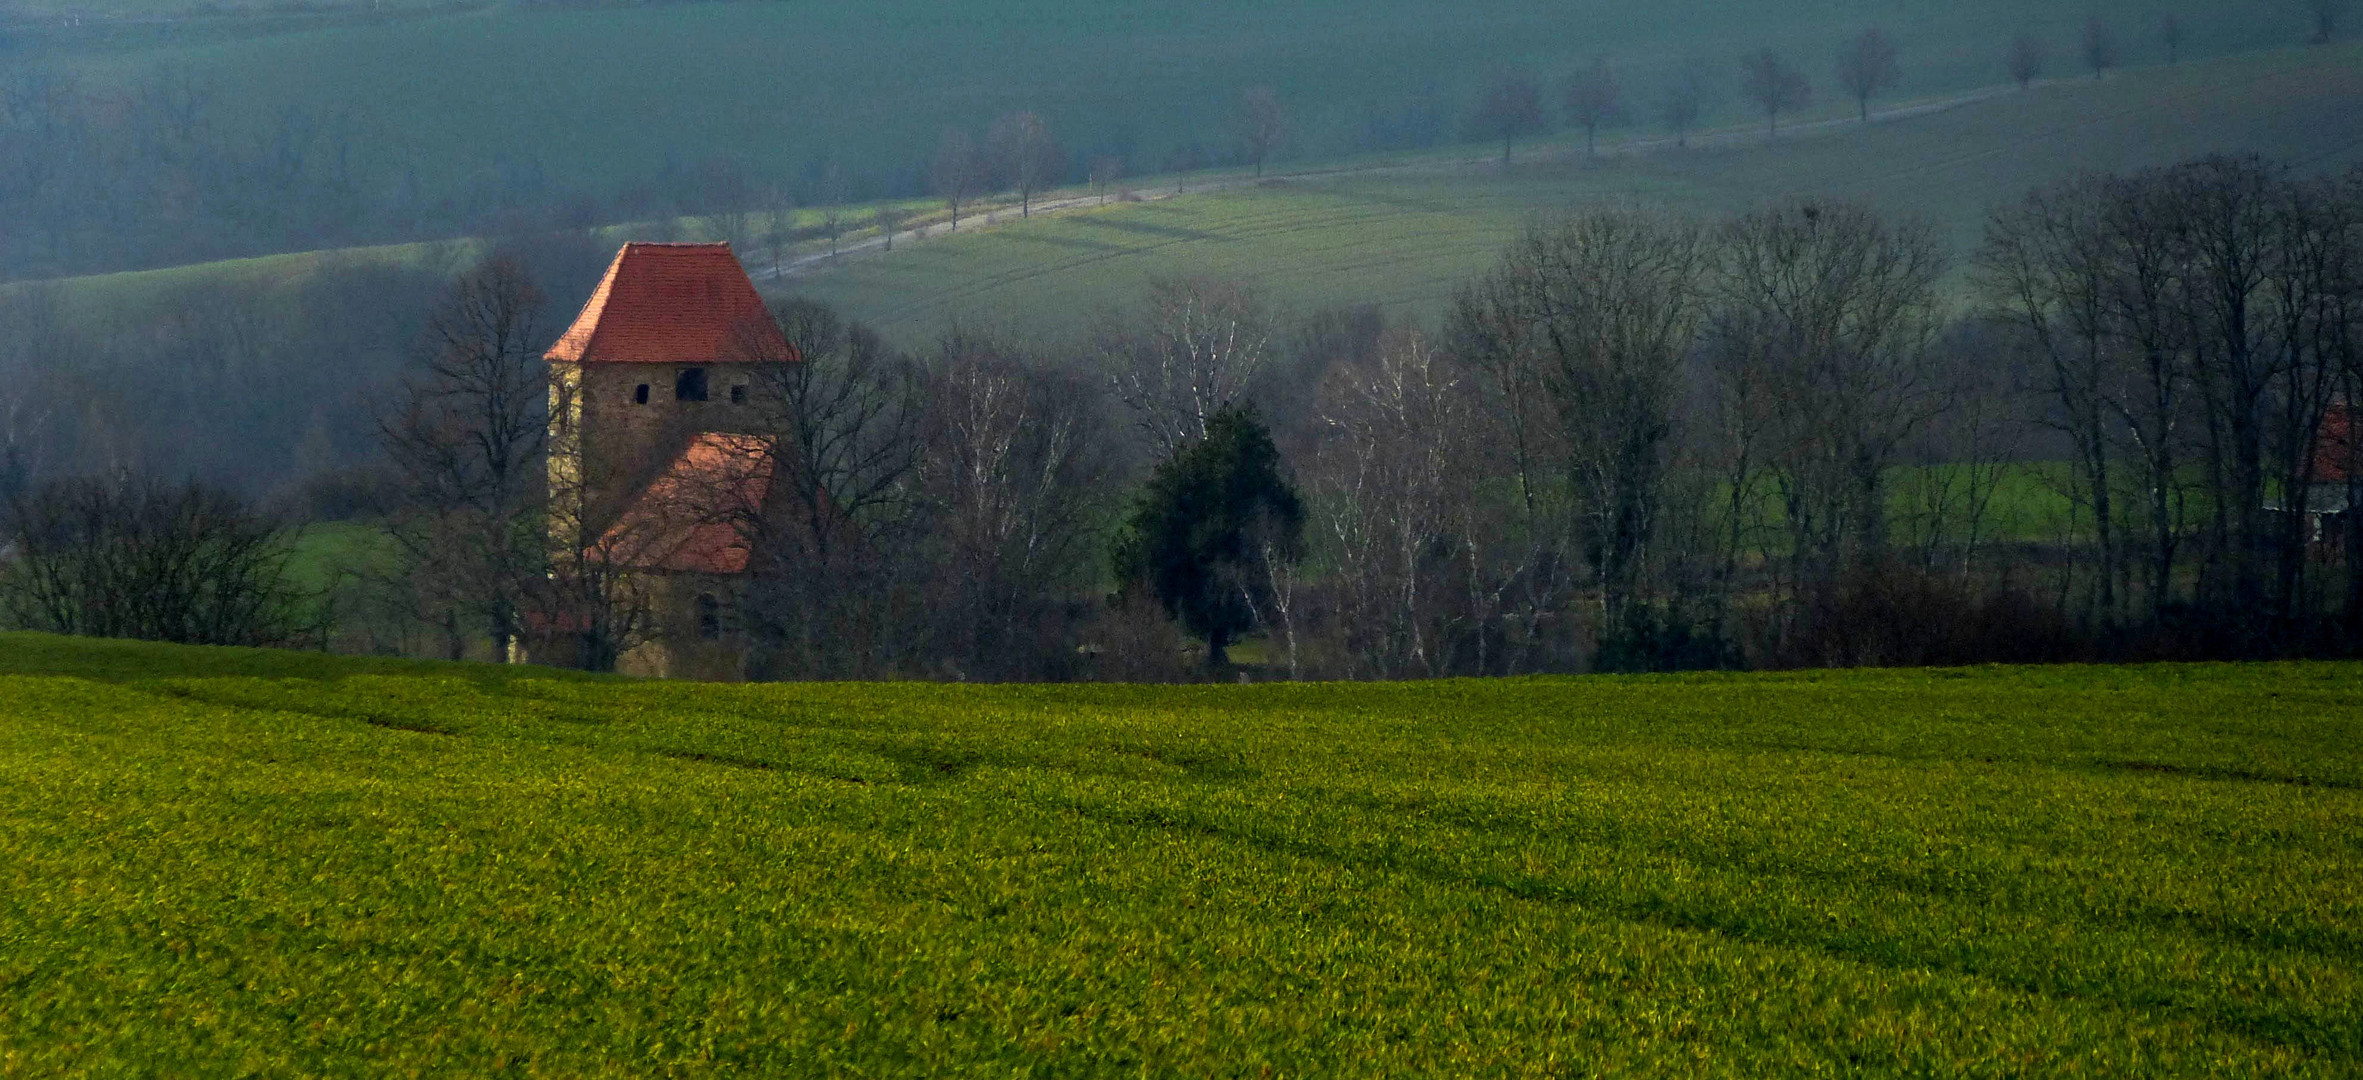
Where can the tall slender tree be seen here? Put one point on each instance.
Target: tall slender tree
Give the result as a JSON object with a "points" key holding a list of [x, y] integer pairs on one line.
{"points": [[1685, 100], [957, 171], [1594, 100], [1262, 124], [467, 437], [1512, 107], [2028, 54], [1867, 65], [1774, 86], [2100, 46], [1028, 156]]}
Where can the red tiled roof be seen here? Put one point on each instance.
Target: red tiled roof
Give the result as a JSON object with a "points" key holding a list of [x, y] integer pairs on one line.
{"points": [[672, 304], [694, 518]]}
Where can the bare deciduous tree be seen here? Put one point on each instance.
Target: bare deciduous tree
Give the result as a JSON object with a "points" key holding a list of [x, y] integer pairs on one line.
{"points": [[1594, 100], [1262, 124], [2171, 33], [140, 559], [843, 413], [467, 438], [1867, 65], [2100, 46], [31, 344], [729, 202], [1511, 107], [1028, 157], [596, 602], [2325, 15], [1182, 162], [2046, 269], [833, 193], [888, 218], [1198, 344], [838, 421], [1397, 430], [2200, 319], [779, 227], [2028, 54], [1609, 305], [1774, 86], [1010, 477], [1824, 323], [1685, 100], [957, 171], [1106, 169]]}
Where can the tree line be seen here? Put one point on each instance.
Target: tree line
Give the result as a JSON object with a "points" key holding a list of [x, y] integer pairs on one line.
{"points": [[1638, 442]]}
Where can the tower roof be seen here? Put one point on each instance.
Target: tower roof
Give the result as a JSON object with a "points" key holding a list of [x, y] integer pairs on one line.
{"points": [[672, 304]]}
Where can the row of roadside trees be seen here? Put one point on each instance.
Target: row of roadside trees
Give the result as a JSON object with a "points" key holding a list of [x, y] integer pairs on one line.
{"points": [[1638, 442]]}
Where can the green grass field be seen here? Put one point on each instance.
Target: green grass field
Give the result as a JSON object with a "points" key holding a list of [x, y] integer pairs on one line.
{"points": [[221, 862], [602, 94], [1406, 241]]}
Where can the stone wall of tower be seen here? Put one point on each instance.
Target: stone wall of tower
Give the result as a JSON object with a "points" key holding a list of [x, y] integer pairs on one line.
{"points": [[615, 426]]}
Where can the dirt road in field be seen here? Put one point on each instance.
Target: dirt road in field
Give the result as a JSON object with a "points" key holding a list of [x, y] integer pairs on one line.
{"points": [[1058, 203]]}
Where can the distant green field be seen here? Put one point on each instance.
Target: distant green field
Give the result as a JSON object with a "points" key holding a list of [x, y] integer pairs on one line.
{"points": [[1409, 234], [598, 95], [221, 862], [1407, 240]]}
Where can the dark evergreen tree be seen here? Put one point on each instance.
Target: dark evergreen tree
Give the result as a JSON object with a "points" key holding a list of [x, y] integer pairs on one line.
{"points": [[1205, 532]]}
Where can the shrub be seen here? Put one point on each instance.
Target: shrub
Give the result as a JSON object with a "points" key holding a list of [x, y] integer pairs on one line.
{"points": [[141, 559]]}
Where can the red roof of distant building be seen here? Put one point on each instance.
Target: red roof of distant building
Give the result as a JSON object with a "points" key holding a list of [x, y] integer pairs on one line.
{"points": [[673, 304], [2334, 448], [697, 516]]}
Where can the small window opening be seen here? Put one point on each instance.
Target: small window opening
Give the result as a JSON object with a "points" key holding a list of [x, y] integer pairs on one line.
{"points": [[640, 394], [690, 385], [738, 394], [709, 616]]}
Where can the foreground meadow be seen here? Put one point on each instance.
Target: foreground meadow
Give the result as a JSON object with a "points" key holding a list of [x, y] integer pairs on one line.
{"points": [[223, 862]]}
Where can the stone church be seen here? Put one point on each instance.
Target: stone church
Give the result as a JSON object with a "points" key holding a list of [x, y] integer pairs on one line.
{"points": [[655, 464]]}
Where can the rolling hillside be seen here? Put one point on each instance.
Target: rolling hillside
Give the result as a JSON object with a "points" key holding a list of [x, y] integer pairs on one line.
{"points": [[1403, 231], [598, 95], [219, 862], [1405, 236]]}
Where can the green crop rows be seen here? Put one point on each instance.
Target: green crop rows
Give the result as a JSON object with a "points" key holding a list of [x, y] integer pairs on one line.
{"points": [[1407, 240], [217, 862]]}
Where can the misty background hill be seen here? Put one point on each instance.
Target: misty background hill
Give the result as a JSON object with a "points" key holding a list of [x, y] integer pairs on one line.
{"points": [[224, 224], [169, 132]]}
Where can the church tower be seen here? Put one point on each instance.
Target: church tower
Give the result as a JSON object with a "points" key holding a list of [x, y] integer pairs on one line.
{"points": [[665, 350], [657, 405]]}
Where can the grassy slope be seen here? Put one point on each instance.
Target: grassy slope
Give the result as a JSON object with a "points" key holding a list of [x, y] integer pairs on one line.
{"points": [[1407, 241], [602, 95], [223, 861]]}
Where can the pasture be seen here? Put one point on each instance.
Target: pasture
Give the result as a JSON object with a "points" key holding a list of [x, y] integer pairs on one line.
{"points": [[596, 96], [1406, 237], [241, 862], [1404, 231]]}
